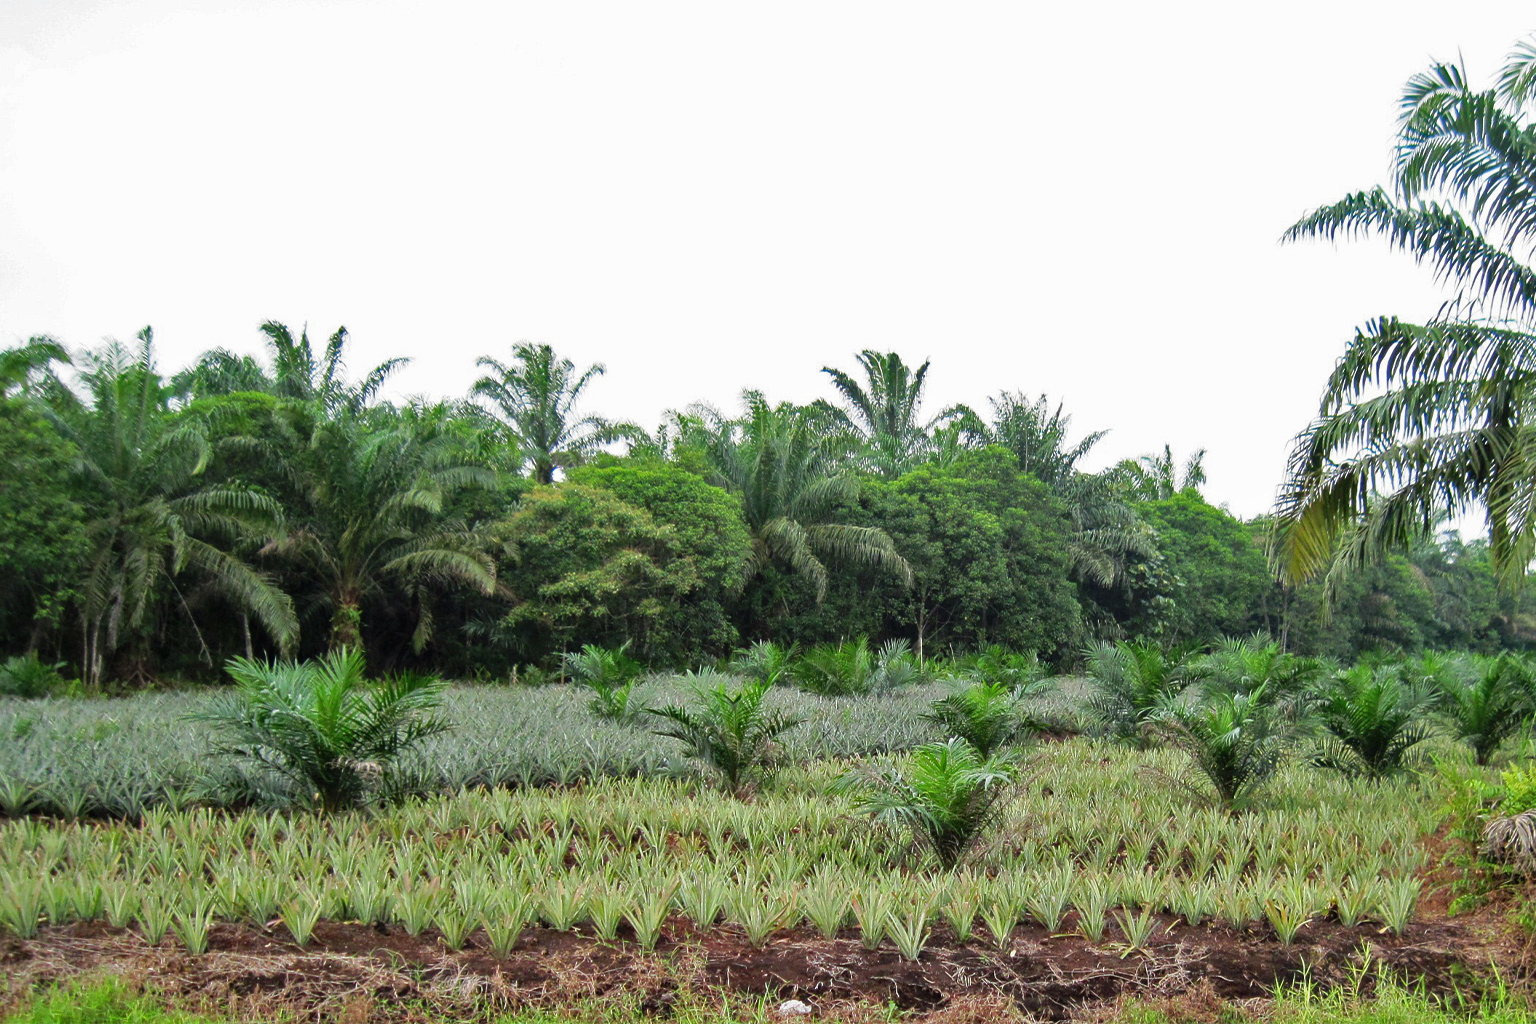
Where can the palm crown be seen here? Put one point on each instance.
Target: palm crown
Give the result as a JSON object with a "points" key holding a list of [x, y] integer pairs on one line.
{"points": [[1423, 420]]}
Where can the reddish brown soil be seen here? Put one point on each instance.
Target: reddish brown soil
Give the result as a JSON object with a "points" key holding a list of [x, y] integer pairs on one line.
{"points": [[354, 973]]}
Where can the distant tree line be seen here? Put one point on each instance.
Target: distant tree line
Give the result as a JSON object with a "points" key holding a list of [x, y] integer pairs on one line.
{"points": [[155, 524]]}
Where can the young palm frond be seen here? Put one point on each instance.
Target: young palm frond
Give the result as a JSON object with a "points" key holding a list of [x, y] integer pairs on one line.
{"points": [[1256, 665], [318, 733], [945, 799], [765, 661], [1374, 719], [728, 729]]}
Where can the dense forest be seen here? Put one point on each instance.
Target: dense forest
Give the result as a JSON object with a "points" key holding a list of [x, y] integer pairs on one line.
{"points": [[154, 524]]}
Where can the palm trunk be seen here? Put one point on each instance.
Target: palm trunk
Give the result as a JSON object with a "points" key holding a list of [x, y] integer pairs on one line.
{"points": [[347, 626]]}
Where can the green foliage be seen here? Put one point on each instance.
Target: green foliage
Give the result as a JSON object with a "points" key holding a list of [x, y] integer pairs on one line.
{"points": [[729, 729], [706, 528], [988, 716], [42, 537], [1216, 576], [585, 564], [989, 550], [1374, 719], [611, 675], [1231, 739], [945, 799], [1488, 704], [1134, 681], [319, 733], [853, 667], [1519, 790], [25, 675]]}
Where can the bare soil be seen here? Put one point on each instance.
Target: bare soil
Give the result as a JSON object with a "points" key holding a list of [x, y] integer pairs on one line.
{"points": [[353, 973]]}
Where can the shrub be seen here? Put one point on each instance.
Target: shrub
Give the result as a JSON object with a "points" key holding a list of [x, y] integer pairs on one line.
{"points": [[317, 732], [944, 800], [25, 675], [1373, 719], [729, 729], [612, 676]]}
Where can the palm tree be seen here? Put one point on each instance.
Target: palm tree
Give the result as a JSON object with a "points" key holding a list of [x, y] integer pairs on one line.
{"points": [[296, 374], [151, 516], [884, 411], [1037, 436], [1107, 532], [536, 396], [1157, 478], [23, 366], [1423, 419], [374, 489], [786, 464]]}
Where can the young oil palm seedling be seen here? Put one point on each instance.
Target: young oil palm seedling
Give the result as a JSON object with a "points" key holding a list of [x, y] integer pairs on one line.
{"points": [[612, 676], [1487, 704], [837, 670], [1231, 740], [986, 715], [318, 733], [1133, 682], [1254, 664], [765, 661], [729, 729], [945, 799], [1374, 720]]}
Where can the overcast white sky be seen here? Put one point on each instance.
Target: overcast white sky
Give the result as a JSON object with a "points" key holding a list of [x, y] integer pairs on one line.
{"points": [[1079, 199]]}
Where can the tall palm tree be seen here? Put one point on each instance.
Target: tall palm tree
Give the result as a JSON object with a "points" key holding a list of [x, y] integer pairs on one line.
{"points": [[151, 516], [885, 409], [1156, 477], [787, 465], [536, 396], [372, 514], [1420, 420]]}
